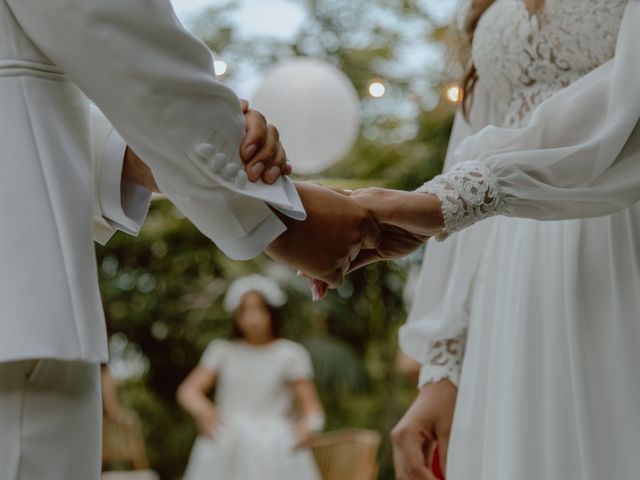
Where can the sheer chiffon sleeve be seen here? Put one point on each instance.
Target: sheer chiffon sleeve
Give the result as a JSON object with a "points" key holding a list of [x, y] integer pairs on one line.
{"points": [[435, 333], [578, 157]]}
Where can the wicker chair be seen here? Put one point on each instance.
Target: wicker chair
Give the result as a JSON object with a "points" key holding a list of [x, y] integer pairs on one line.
{"points": [[123, 447], [347, 454]]}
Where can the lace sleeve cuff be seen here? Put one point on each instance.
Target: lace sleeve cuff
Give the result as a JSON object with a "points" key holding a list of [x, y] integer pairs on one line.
{"points": [[468, 193], [444, 361]]}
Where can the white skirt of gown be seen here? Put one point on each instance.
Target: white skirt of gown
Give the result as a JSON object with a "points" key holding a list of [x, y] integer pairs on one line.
{"points": [[249, 447], [550, 387]]}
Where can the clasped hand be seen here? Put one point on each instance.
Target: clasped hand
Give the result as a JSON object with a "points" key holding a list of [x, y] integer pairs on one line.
{"points": [[347, 230], [404, 221], [343, 230]]}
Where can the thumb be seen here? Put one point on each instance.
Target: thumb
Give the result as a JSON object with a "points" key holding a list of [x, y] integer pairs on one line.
{"points": [[365, 257]]}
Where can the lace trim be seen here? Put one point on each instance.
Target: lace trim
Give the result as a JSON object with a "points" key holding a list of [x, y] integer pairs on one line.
{"points": [[444, 361], [468, 193]]}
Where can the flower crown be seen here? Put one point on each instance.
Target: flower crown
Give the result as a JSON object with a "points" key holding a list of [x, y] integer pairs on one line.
{"points": [[265, 286]]}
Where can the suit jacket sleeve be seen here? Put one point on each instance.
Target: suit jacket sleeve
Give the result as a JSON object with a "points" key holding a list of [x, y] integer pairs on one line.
{"points": [[155, 83]]}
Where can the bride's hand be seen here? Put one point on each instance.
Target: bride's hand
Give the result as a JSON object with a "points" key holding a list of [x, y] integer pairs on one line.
{"points": [[406, 220], [415, 212], [426, 424]]}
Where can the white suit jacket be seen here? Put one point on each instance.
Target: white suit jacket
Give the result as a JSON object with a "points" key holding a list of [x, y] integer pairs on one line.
{"points": [[155, 83]]}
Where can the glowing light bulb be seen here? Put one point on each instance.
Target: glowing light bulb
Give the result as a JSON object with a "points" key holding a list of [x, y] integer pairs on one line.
{"points": [[453, 93], [377, 89], [220, 67]]}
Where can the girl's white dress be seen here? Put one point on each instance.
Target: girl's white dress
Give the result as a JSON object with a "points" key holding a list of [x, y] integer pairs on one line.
{"points": [[549, 310], [255, 439]]}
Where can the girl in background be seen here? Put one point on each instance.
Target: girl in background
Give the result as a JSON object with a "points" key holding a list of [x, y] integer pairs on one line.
{"points": [[248, 432]]}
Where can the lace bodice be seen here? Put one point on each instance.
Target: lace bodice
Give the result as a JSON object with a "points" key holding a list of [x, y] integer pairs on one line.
{"points": [[524, 59]]}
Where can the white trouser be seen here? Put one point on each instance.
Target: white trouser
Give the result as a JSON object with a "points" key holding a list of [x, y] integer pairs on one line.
{"points": [[50, 420]]}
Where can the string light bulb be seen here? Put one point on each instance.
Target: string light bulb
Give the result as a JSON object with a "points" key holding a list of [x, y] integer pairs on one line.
{"points": [[453, 93], [220, 67], [377, 89]]}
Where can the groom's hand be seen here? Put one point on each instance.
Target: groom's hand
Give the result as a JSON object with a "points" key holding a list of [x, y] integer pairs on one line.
{"points": [[334, 233], [261, 150]]}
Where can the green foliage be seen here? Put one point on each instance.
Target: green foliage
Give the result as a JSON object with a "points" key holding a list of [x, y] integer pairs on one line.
{"points": [[163, 291], [402, 165]]}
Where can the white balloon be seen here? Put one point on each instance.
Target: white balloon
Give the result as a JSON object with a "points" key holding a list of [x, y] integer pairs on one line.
{"points": [[316, 110]]}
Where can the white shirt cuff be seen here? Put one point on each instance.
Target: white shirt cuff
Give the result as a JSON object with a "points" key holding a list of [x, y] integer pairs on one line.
{"points": [[124, 205], [297, 211], [265, 232], [254, 242]]}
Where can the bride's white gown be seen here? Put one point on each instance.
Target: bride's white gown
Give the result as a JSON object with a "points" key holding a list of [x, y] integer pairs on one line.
{"points": [[549, 310]]}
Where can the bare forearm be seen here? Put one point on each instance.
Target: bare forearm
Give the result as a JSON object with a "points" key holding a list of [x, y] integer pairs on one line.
{"points": [[416, 212], [312, 410]]}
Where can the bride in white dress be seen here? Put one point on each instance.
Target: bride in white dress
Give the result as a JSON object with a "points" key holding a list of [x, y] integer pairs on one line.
{"points": [[543, 317]]}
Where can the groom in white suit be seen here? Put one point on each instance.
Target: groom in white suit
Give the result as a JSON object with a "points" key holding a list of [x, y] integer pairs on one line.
{"points": [[60, 167]]}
